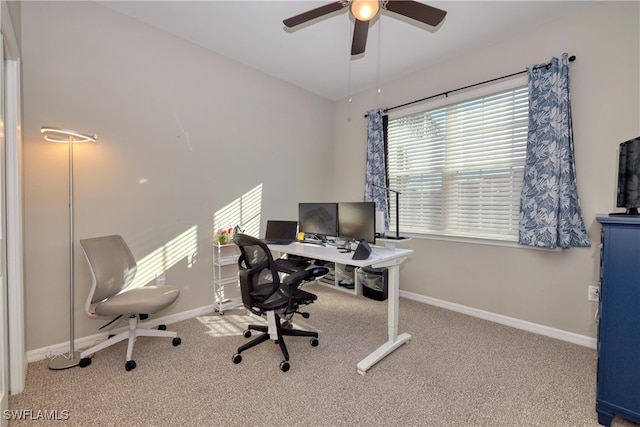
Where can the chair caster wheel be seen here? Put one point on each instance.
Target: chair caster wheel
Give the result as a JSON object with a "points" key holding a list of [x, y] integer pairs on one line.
{"points": [[236, 358], [176, 341], [162, 327], [84, 362], [284, 366], [247, 333], [306, 315], [130, 365], [314, 342]]}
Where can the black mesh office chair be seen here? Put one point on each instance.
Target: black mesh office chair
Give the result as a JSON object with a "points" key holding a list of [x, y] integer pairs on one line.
{"points": [[264, 294]]}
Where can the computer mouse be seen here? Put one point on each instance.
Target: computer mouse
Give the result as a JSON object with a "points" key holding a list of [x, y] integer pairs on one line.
{"points": [[319, 271]]}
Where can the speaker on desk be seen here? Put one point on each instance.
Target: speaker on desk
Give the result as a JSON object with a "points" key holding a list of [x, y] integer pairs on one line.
{"points": [[362, 251]]}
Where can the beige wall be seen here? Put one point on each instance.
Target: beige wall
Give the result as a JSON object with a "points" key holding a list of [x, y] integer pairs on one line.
{"points": [[544, 287], [182, 133]]}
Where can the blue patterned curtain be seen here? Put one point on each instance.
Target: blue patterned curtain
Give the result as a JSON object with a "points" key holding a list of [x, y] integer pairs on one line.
{"points": [[550, 214], [375, 180]]}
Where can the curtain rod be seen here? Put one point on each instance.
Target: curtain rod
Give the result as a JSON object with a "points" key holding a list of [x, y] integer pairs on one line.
{"points": [[571, 59]]}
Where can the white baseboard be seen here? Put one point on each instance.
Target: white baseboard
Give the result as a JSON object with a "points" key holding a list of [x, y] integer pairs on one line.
{"points": [[582, 340], [86, 342]]}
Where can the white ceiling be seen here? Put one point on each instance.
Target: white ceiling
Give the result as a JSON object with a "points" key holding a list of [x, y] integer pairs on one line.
{"points": [[316, 57]]}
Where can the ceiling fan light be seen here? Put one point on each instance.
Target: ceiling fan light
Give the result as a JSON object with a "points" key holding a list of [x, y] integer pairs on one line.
{"points": [[364, 10]]}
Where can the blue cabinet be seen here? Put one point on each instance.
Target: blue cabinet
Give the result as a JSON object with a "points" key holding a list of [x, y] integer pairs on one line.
{"points": [[618, 382]]}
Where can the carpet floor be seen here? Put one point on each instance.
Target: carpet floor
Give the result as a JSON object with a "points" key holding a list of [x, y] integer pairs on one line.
{"points": [[455, 371]]}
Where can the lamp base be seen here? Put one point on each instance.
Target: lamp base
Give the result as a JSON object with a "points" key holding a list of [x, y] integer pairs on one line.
{"points": [[63, 361], [394, 237]]}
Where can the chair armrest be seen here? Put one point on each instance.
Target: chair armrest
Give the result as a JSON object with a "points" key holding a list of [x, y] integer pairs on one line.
{"points": [[294, 279], [292, 282]]}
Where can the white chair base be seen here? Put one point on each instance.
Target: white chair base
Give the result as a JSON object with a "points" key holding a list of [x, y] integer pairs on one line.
{"points": [[131, 334]]}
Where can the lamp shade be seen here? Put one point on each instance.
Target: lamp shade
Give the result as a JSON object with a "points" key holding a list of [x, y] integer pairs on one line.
{"points": [[53, 134], [364, 10]]}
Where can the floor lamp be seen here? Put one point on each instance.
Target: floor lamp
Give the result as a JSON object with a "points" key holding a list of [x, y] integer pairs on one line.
{"points": [[66, 136]]}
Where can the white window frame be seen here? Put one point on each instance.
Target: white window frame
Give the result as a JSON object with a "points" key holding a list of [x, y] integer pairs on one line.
{"points": [[519, 81]]}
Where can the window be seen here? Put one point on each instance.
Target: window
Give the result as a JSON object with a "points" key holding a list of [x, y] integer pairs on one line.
{"points": [[459, 167]]}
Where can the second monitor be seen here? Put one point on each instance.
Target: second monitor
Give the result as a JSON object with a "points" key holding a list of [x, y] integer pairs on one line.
{"points": [[357, 221]]}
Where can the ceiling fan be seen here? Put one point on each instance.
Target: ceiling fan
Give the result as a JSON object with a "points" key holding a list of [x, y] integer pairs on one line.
{"points": [[365, 10]]}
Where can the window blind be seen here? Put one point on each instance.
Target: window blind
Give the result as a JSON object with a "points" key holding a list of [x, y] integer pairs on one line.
{"points": [[459, 167]]}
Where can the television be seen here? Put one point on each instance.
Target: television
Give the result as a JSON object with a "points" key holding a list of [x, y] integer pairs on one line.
{"points": [[319, 219], [628, 194], [357, 221]]}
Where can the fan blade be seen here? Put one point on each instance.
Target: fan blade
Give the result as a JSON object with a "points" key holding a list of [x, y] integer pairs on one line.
{"points": [[314, 13], [417, 11], [359, 37]]}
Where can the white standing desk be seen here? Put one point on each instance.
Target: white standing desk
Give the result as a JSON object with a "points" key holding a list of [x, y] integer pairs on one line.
{"points": [[380, 257]]}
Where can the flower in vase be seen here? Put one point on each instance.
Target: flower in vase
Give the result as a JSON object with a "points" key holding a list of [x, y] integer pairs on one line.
{"points": [[224, 235]]}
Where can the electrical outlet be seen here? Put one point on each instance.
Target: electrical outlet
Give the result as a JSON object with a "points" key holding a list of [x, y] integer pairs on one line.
{"points": [[594, 293], [160, 279]]}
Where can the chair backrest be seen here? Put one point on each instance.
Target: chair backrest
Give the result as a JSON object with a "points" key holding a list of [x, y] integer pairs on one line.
{"points": [[259, 279], [112, 266]]}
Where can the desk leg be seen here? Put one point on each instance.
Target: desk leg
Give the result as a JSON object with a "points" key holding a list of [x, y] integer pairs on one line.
{"points": [[395, 340]]}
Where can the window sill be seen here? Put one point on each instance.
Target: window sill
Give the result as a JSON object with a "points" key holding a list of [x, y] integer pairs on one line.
{"points": [[477, 241]]}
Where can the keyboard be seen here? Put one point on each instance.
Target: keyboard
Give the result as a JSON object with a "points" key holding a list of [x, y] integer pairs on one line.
{"points": [[314, 242]]}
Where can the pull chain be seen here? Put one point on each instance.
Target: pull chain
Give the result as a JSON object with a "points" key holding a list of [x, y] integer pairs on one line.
{"points": [[378, 64], [349, 77]]}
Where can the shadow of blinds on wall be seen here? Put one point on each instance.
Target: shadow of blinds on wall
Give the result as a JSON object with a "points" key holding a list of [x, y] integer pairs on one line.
{"points": [[243, 211]]}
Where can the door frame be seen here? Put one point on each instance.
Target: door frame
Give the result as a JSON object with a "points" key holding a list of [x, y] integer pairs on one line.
{"points": [[13, 181]]}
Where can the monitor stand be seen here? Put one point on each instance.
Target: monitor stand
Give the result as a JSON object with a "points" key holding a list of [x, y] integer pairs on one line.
{"points": [[346, 248], [629, 212]]}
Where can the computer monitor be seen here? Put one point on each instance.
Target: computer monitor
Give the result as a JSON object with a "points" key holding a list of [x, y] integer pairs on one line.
{"points": [[320, 219], [628, 195], [357, 221]]}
